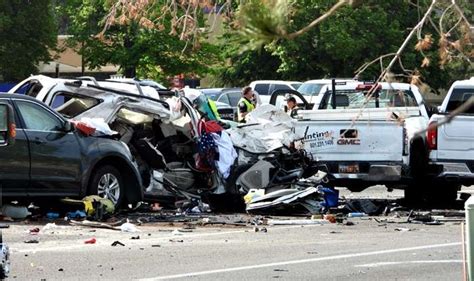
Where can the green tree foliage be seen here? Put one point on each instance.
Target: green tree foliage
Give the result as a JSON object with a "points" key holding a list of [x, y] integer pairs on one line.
{"points": [[28, 30], [140, 47], [343, 42]]}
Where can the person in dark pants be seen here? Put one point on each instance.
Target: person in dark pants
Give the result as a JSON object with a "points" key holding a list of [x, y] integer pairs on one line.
{"points": [[246, 104]]}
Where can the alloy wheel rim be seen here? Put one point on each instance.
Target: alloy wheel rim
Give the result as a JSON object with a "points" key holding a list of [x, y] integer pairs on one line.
{"points": [[109, 187]]}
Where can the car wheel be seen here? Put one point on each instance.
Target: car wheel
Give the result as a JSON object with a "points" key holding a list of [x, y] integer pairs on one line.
{"points": [[107, 183]]}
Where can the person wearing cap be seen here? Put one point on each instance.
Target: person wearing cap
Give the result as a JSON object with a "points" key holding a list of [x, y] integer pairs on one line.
{"points": [[291, 106], [246, 104]]}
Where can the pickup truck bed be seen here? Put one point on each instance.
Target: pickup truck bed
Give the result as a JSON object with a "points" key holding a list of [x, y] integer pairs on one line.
{"points": [[361, 143], [371, 150]]}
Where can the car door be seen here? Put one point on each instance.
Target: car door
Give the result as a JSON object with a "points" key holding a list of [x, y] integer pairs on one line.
{"points": [[55, 153], [15, 163]]}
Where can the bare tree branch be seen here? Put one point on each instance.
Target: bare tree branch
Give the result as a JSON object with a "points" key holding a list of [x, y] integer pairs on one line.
{"points": [[331, 11], [366, 65]]}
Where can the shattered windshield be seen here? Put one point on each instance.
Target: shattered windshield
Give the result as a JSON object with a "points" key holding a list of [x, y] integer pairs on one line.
{"points": [[358, 99], [71, 105]]}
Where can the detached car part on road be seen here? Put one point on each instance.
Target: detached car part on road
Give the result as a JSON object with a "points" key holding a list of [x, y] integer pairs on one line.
{"points": [[51, 158]]}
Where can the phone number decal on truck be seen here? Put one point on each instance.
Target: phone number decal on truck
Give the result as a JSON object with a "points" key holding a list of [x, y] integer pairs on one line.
{"points": [[319, 139]]}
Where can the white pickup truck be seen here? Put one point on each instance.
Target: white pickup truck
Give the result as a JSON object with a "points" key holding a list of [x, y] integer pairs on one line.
{"points": [[451, 145], [361, 142]]}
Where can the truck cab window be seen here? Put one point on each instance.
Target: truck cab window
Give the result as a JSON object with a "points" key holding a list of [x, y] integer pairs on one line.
{"points": [[458, 97]]}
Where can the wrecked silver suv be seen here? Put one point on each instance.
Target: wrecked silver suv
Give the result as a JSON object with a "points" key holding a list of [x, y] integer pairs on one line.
{"points": [[179, 154]]}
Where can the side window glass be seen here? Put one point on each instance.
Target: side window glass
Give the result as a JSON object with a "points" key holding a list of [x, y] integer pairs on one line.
{"points": [[37, 118], [224, 98], [458, 97], [234, 98], [281, 87], [24, 88], [262, 89], [71, 105], [30, 88]]}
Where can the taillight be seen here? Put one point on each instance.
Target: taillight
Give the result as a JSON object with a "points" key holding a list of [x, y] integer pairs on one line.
{"points": [[366, 87], [432, 136]]}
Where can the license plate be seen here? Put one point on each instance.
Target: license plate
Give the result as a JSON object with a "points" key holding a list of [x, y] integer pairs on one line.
{"points": [[349, 168]]}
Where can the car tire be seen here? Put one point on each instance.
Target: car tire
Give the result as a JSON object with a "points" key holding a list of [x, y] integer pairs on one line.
{"points": [[107, 182]]}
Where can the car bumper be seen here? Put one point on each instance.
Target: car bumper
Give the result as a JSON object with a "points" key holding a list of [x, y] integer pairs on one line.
{"points": [[369, 172]]}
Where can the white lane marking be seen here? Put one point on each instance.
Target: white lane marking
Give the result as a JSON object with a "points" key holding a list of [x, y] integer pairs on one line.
{"points": [[274, 264], [105, 242], [378, 264]]}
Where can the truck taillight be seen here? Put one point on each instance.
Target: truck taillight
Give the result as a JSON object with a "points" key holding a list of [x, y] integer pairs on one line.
{"points": [[432, 136]]}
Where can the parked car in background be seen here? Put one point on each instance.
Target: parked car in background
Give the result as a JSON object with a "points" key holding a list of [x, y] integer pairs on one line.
{"points": [[311, 89], [51, 158], [225, 96], [451, 145], [265, 88]]}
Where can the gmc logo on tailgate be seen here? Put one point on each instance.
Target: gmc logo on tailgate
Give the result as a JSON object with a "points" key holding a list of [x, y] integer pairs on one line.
{"points": [[348, 137], [348, 142]]}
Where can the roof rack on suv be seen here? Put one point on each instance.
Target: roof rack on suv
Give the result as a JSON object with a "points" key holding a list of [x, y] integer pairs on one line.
{"points": [[116, 91], [89, 78]]}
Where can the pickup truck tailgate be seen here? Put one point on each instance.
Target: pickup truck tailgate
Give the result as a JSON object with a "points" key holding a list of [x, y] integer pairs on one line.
{"points": [[336, 140]]}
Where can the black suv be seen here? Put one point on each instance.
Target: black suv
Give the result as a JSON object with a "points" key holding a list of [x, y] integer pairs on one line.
{"points": [[47, 156]]}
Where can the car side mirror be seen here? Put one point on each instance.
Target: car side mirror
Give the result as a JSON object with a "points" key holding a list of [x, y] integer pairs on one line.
{"points": [[7, 125], [68, 126]]}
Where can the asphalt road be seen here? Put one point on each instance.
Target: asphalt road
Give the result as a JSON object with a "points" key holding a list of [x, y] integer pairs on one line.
{"points": [[367, 250]]}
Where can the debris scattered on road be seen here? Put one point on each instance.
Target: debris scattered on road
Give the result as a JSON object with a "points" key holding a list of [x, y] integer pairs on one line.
{"points": [[90, 241], [402, 229], [371, 207], [129, 227], [78, 214], [49, 226], [34, 231], [31, 241], [15, 211], [296, 222], [176, 232], [52, 215], [176, 240], [117, 243]]}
